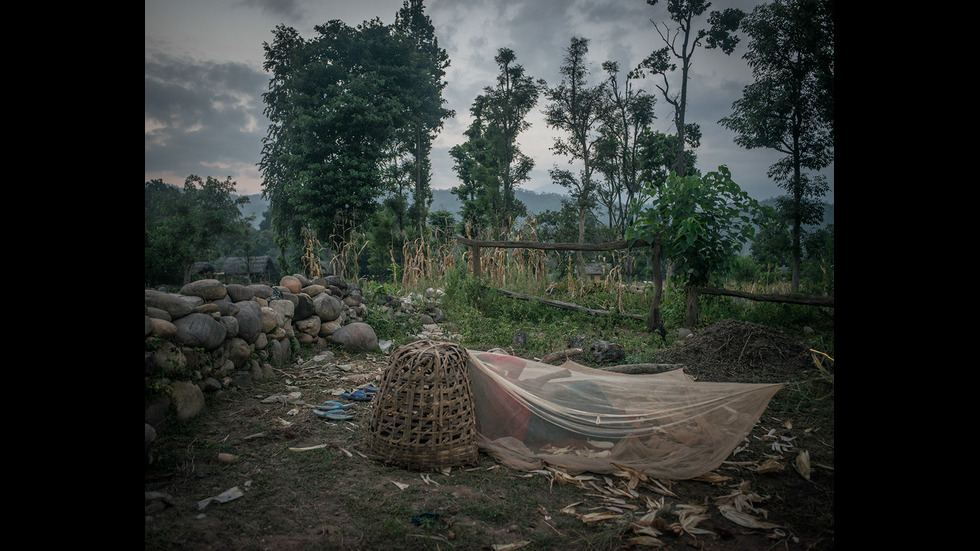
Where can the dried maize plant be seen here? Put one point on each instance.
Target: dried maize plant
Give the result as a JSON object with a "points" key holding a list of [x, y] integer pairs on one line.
{"points": [[352, 244], [613, 281], [311, 253], [572, 285], [529, 266], [414, 263], [443, 257]]}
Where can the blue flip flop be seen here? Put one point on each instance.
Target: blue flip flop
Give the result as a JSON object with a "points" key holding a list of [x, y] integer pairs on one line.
{"points": [[333, 415], [330, 405], [358, 395]]}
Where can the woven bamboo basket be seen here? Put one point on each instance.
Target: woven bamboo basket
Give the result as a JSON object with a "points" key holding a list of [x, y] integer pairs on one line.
{"points": [[422, 416]]}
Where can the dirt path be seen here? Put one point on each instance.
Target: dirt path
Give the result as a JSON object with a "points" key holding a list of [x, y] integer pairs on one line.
{"points": [[300, 482]]}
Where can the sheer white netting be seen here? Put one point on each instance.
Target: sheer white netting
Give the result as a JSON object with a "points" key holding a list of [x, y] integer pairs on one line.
{"points": [[667, 425]]}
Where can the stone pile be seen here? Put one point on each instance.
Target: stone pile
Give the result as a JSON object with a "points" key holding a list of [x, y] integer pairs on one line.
{"points": [[211, 336]]}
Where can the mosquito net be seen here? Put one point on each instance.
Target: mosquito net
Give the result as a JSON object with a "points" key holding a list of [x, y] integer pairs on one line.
{"points": [[667, 425]]}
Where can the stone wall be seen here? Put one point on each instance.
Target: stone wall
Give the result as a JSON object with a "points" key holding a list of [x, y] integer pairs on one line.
{"points": [[212, 336]]}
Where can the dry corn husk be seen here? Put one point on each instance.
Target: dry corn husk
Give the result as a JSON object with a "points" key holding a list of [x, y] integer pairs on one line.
{"points": [[803, 464], [744, 519]]}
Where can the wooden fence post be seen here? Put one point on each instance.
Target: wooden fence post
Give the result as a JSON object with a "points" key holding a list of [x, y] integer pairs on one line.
{"points": [[477, 269], [692, 306]]}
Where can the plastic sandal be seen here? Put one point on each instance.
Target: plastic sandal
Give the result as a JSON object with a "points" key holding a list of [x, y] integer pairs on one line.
{"points": [[358, 394], [333, 415], [329, 405]]}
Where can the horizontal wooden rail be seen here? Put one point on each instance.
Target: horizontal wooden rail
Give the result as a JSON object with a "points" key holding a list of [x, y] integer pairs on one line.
{"points": [[610, 246], [794, 299], [568, 305], [476, 244]]}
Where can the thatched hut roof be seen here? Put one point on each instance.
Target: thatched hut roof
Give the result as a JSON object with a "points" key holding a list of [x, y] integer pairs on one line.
{"points": [[202, 268], [235, 265]]}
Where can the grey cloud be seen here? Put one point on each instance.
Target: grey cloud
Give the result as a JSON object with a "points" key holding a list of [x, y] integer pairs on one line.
{"points": [[201, 115], [290, 10]]}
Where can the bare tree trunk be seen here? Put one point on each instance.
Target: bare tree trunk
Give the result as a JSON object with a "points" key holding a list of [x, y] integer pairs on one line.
{"points": [[581, 239], [654, 321]]}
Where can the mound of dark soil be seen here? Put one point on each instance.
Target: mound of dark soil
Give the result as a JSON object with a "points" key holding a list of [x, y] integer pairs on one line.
{"points": [[739, 351]]}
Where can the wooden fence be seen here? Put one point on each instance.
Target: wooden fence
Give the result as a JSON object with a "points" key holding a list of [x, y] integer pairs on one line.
{"points": [[476, 245]]}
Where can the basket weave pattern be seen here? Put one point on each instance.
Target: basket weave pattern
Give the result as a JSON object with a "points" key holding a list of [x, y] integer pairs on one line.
{"points": [[422, 416]]}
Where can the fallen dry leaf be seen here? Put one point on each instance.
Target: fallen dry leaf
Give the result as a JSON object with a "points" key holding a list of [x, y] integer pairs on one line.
{"points": [[770, 465], [570, 509], [690, 516], [803, 464], [401, 486], [712, 478], [509, 546], [596, 517], [744, 519]]}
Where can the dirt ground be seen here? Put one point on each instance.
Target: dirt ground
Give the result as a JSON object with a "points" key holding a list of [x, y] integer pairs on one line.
{"points": [[297, 481]]}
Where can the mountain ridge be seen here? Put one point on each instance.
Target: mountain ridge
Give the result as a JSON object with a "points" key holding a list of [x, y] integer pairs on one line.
{"points": [[537, 202]]}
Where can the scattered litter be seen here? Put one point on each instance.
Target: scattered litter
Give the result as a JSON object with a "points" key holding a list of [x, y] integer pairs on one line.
{"points": [[293, 398], [227, 458], [317, 447], [230, 494], [400, 485], [509, 546], [744, 519], [803, 464], [345, 452]]}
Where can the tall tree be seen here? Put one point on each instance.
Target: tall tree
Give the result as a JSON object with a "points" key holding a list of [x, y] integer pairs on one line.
{"points": [[789, 106], [628, 114], [427, 109], [576, 109], [719, 34], [184, 226], [497, 164], [702, 223], [336, 104]]}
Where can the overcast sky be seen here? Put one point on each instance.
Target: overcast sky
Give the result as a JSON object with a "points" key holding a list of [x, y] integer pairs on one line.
{"points": [[204, 78]]}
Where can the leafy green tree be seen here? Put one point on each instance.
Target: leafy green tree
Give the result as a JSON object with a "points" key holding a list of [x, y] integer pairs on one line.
{"points": [[789, 106], [576, 109], [184, 226], [444, 226], [702, 224], [772, 246], [719, 34], [339, 105], [819, 261], [562, 226], [472, 165], [491, 162], [426, 110], [627, 115]]}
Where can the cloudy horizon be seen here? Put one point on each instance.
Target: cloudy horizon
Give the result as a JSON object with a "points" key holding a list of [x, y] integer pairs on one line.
{"points": [[203, 78]]}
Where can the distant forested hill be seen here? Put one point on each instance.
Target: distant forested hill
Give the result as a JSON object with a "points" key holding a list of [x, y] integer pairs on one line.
{"points": [[828, 212], [443, 199], [536, 202]]}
